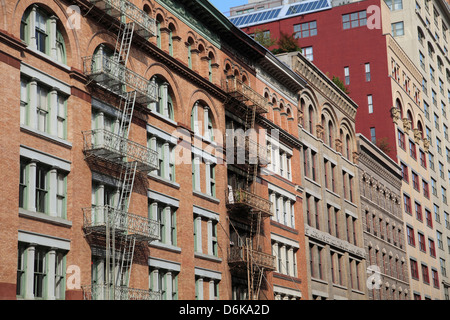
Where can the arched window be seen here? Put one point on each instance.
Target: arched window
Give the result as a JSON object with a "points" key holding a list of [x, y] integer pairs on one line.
{"points": [[164, 105], [330, 134], [159, 20], [302, 110], [211, 61], [202, 123], [348, 146], [398, 104], [46, 35], [172, 33], [410, 118], [420, 128], [311, 120], [190, 44]]}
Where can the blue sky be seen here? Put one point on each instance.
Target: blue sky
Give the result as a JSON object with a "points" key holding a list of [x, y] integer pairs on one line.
{"points": [[225, 5]]}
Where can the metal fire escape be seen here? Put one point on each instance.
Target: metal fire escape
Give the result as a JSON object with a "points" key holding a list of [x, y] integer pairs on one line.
{"points": [[244, 203], [113, 226]]}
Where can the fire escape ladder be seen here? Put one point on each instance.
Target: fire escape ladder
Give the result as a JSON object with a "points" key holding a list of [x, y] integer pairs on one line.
{"points": [[123, 43], [127, 103]]}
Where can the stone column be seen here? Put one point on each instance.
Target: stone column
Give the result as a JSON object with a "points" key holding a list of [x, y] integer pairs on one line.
{"points": [[29, 272], [50, 279], [32, 110], [52, 192], [31, 186]]}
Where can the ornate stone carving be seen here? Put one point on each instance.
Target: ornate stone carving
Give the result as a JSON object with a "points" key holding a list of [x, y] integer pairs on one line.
{"points": [[338, 145], [319, 131], [417, 135], [406, 124], [426, 144], [395, 112]]}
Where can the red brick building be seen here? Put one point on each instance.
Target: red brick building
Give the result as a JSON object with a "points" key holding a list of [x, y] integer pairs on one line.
{"points": [[115, 184]]}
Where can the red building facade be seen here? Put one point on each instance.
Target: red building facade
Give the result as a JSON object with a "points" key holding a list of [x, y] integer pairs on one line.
{"points": [[345, 49]]}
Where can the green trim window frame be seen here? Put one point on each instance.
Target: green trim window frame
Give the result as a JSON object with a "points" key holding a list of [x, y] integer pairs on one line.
{"points": [[23, 179], [45, 106], [42, 188], [61, 117], [21, 268], [164, 105], [158, 34], [42, 33], [189, 56], [40, 273], [61, 191], [166, 157], [24, 101], [42, 36], [42, 108], [212, 179], [214, 242], [171, 42], [164, 276], [60, 276], [168, 229], [45, 190]]}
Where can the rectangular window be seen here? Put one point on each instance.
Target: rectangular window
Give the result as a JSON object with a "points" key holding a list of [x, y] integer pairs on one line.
{"points": [[423, 159], [432, 248], [308, 53], [40, 272], [367, 69], [398, 29], [425, 275], [407, 203], [401, 140], [41, 188], [354, 20], [42, 108], [421, 238], [347, 75], [415, 180], [414, 269], [410, 236], [305, 30], [370, 103], [412, 150], [418, 208]]}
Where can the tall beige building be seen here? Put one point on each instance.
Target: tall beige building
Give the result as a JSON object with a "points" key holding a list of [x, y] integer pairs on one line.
{"points": [[421, 29]]}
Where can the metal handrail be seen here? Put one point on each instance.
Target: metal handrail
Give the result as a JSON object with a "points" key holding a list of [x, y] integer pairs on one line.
{"points": [[239, 254], [104, 140], [132, 12], [98, 217], [254, 149], [235, 86], [243, 197], [111, 74], [99, 292]]}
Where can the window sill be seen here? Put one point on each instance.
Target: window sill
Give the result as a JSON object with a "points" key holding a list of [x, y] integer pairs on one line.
{"points": [[49, 58], [205, 256], [164, 246], [351, 203], [163, 118], [340, 286], [46, 136], [44, 218], [164, 181], [206, 197], [357, 291]]}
